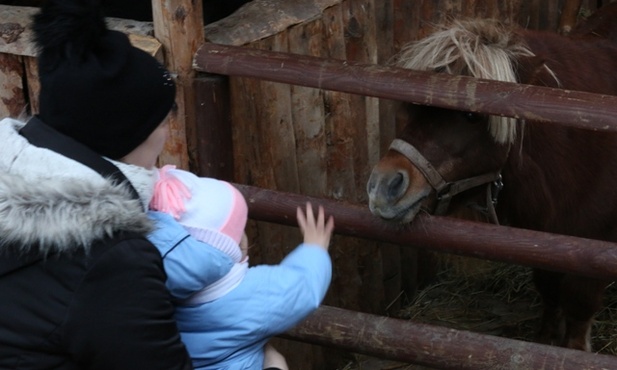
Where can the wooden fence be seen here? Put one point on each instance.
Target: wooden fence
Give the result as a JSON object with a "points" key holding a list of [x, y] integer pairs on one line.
{"points": [[403, 340]]}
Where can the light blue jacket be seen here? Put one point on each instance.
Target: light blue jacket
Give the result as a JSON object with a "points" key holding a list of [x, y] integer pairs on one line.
{"points": [[190, 264], [229, 333]]}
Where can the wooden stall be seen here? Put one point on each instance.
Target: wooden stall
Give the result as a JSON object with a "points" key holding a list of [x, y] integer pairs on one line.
{"points": [[323, 143]]}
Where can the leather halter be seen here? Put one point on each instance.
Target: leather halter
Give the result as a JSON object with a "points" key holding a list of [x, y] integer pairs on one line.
{"points": [[446, 190]]}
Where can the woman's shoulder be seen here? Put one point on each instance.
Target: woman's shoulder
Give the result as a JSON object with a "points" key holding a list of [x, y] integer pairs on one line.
{"points": [[129, 246], [130, 255]]}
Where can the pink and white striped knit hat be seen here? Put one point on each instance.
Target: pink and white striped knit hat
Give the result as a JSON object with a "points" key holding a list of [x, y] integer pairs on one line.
{"points": [[211, 210]]}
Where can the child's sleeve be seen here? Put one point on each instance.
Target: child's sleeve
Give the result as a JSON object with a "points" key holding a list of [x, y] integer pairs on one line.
{"points": [[296, 287]]}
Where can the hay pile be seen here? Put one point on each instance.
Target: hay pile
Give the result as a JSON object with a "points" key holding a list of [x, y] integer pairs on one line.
{"points": [[497, 299], [490, 298]]}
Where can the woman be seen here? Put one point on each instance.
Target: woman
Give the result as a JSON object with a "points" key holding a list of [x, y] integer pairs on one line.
{"points": [[81, 286]]}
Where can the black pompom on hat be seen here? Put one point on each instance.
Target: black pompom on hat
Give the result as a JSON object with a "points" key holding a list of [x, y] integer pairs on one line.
{"points": [[95, 86]]}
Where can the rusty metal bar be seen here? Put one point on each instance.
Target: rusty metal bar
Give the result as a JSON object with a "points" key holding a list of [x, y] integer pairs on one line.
{"points": [[574, 108], [548, 251], [434, 346]]}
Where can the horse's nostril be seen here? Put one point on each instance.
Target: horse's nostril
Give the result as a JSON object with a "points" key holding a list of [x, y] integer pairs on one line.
{"points": [[397, 181], [395, 186]]}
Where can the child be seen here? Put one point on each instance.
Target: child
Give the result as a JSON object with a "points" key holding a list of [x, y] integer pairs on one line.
{"points": [[226, 325]]}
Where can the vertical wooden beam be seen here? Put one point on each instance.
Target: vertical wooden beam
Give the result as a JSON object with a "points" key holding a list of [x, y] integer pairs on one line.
{"points": [[178, 25], [213, 131], [33, 84]]}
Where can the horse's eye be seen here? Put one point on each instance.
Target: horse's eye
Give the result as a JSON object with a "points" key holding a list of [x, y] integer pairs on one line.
{"points": [[472, 117]]}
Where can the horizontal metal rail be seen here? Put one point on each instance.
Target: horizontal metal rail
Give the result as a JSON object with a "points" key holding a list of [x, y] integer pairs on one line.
{"points": [[434, 346], [587, 257], [573, 108]]}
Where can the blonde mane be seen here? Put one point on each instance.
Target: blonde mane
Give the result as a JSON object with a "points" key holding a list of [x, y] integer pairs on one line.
{"points": [[481, 48]]}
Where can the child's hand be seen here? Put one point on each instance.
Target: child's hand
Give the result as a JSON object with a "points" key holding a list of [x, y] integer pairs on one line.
{"points": [[315, 231]]}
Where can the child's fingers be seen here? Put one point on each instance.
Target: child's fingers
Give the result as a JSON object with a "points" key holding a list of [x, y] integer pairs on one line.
{"points": [[310, 218], [330, 225], [321, 216], [301, 219]]}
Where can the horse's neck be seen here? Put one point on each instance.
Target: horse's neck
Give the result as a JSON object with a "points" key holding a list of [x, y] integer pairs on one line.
{"points": [[526, 198]]}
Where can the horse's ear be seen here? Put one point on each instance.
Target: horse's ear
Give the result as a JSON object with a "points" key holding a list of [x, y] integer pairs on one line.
{"points": [[534, 71]]}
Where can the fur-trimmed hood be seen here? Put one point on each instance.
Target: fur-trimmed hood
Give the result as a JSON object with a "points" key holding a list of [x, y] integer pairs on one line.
{"points": [[58, 204]]}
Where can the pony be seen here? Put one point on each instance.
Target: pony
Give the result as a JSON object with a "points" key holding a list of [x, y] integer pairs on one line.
{"points": [[520, 173]]}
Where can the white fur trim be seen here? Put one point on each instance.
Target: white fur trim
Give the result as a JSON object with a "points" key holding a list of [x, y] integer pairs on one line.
{"points": [[55, 202]]}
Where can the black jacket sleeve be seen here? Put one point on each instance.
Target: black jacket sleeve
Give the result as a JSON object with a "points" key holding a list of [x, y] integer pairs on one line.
{"points": [[122, 316]]}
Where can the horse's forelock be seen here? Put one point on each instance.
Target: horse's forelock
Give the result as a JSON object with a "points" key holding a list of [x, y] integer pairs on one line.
{"points": [[479, 48]]}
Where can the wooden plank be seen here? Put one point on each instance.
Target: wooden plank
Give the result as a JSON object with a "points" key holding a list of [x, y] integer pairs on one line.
{"points": [[308, 115], [244, 114], [361, 137], [338, 109], [15, 33], [260, 19], [264, 150], [398, 264], [347, 286], [569, 16], [12, 94], [505, 11], [535, 14], [279, 136], [16, 36], [386, 46], [148, 44], [264, 124], [34, 85], [360, 41], [214, 144], [550, 16], [450, 9], [406, 21]]}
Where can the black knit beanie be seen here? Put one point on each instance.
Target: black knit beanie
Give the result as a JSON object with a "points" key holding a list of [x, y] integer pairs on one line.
{"points": [[95, 86]]}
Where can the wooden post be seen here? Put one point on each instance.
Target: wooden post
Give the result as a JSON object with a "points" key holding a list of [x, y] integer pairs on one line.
{"points": [[178, 25]]}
